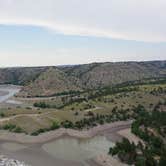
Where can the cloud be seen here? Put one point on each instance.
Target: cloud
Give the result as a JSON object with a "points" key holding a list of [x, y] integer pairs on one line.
{"points": [[140, 20]]}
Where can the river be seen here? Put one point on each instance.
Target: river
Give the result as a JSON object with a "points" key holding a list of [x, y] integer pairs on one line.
{"points": [[7, 91]]}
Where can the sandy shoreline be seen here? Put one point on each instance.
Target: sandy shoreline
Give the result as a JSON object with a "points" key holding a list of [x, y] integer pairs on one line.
{"points": [[51, 135]]}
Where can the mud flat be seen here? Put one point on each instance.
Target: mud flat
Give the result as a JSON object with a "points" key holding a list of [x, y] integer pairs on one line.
{"points": [[64, 151], [64, 147]]}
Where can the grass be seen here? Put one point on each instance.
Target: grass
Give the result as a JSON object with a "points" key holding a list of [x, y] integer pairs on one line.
{"points": [[33, 119]]}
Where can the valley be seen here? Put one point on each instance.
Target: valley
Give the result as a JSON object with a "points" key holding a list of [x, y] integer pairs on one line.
{"points": [[82, 83], [58, 102]]}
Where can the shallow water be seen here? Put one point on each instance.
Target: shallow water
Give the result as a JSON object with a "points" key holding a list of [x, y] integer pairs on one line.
{"points": [[7, 91], [68, 148]]}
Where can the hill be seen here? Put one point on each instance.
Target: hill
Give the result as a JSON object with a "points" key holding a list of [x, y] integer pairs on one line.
{"points": [[51, 81], [98, 75], [47, 81], [20, 75]]}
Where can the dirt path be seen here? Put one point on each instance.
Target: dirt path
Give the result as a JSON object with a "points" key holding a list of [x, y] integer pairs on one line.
{"points": [[35, 98], [20, 115], [92, 109]]}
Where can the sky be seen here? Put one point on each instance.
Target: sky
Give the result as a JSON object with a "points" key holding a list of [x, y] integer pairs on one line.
{"points": [[62, 32]]}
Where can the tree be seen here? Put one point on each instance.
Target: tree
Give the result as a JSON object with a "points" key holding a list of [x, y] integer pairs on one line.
{"points": [[125, 150]]}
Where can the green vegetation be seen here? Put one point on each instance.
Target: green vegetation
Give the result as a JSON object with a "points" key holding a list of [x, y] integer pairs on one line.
{"points": [[2, 114], [42, 105], [133, 154], [88, 108], [55, 125], [93, 95], [125, 150], [12, 128], [150, 127]]}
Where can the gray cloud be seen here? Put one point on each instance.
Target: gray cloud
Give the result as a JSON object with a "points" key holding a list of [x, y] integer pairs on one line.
{"points": [[140, 20]]}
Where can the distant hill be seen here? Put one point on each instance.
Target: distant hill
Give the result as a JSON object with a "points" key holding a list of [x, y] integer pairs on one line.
{"points": [[50, 82], [19, 76], [97, 75], [46, 81]]}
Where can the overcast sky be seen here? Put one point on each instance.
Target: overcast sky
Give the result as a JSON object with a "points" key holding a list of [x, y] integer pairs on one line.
{"points": [[55, 32]]}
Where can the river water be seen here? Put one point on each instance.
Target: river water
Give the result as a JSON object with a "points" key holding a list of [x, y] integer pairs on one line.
{"points": [[7, 91]]}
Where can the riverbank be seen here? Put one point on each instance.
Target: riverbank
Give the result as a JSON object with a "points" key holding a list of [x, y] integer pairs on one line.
{"points": [[30, 148], [51, 135]]}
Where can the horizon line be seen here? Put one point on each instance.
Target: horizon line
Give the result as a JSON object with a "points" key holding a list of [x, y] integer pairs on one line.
{"points": [[61, 65]]}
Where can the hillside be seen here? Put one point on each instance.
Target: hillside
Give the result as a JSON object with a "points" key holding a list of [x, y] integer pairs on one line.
{"points": [[48, 83], [19, 76], [97, 75]]}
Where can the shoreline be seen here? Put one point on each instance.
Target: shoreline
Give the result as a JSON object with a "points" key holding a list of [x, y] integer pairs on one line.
{"points": [[30, 146], [55, 134]]}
